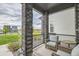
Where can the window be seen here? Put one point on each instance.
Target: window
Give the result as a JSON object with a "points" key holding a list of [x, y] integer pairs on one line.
{"points": [[51, 27]]}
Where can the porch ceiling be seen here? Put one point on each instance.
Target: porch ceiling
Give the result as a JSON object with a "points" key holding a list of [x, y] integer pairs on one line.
{"points": [[51, 7], [46, 6]]}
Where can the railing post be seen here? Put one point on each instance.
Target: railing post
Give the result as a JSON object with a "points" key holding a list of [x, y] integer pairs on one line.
{"points": [[27, 37]]}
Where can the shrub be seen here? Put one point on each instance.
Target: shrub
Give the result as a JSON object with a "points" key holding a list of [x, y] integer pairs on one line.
{"points": [[14, 46], [6, 29]]}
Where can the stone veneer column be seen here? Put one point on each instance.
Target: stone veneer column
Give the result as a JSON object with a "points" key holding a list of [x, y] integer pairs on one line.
{"points": [[45, 27], [27, 37], [77, 21]]}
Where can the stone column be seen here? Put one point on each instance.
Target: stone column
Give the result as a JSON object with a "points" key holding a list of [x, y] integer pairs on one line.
{"points": [[45, 27], [77, 21], [27, 37]]}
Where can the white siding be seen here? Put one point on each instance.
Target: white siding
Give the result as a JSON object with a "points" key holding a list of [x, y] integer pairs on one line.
{"points": [[63, 22]]}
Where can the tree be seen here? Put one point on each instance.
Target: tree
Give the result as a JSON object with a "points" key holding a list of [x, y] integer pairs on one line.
{"points": [[5, 29]]}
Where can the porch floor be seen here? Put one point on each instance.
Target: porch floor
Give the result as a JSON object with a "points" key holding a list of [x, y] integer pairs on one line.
{"points": [[42, 51], [4, 51]]}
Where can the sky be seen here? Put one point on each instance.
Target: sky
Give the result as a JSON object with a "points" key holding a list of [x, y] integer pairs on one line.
{"points": [[10, 14]]}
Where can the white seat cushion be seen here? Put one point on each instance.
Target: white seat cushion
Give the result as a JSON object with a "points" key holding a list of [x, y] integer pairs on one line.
{"points": [[75, 51], [62, 53], [53, 38], [51, 44]]}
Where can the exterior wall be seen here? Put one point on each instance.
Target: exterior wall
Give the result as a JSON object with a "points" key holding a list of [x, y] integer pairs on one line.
{"points": [[63, 22]]}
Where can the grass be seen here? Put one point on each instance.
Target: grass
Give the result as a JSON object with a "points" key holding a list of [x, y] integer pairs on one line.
{"points": [[36, 34], [14, 37], [8, 38]]}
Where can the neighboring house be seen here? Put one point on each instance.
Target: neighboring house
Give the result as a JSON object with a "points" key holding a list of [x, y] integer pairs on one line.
{"points": [[12, 28]]}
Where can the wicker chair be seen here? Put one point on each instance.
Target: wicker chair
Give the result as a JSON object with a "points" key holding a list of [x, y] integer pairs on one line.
{"points": [[52, 43], [65, 52]]}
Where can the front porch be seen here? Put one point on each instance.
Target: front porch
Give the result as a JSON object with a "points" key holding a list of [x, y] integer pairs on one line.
{"points": [[35, 48]]}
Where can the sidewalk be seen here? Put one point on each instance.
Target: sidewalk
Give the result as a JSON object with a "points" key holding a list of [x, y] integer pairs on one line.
{"points": [[4, 51]]}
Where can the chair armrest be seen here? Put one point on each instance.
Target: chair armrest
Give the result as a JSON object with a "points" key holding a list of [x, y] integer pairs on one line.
{"points": [[59, 42], [63, 48]]}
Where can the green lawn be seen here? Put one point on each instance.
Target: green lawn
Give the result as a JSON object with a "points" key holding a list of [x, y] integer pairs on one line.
{"points": [[8, 38], [14, 37], [36, 32]]}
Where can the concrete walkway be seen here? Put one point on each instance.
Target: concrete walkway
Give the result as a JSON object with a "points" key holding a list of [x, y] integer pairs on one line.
{"points": [[4, 51]]}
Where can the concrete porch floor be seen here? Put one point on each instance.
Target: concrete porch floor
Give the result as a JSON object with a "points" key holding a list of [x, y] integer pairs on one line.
{"points": [[4, 51], [42, 51]]}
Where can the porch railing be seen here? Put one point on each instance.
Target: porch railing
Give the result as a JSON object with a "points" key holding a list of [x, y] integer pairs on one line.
{"points": [[37, 40], [63, 37]]}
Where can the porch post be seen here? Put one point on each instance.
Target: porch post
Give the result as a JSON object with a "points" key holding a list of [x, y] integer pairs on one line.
{"points": [[27, 40], [77, 21], [45, 27]]}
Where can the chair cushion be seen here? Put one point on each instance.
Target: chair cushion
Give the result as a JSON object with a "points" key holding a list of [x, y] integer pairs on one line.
{"points": [[62, 53], [75, 51], [51, 44], [53, 38]]}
